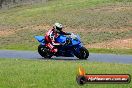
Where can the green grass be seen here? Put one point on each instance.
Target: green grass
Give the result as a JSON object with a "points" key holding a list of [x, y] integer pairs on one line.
{"points": [[68, 12], [97, 17], [44, 12], [18, 73], [112, 51]]}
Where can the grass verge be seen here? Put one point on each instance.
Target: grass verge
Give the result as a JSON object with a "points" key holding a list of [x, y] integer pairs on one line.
{"points": [[91, 50], [18, 73], [112, 51]]}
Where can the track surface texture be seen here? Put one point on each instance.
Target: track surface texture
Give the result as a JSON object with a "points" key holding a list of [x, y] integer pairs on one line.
{"points": [[112, 58]]}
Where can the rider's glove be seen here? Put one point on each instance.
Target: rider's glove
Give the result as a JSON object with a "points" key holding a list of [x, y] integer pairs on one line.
{"points": [[68, 33], [73, 36]]}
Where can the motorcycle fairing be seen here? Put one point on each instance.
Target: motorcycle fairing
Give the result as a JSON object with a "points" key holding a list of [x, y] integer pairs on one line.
{"points": [[76, 41], [40, 39], [62, 39], [68, 50]]}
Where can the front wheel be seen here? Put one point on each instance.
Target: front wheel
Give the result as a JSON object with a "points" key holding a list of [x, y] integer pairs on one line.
{"points": [[84, 53], [44, 51]]}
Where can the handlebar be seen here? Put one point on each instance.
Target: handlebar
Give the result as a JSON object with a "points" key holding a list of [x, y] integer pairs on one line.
{"points": [[73, 36]]}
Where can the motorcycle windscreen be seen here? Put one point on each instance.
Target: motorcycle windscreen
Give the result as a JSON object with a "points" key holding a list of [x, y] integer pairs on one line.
{"points": [[61, 39], [76, 41], [40, 39]]}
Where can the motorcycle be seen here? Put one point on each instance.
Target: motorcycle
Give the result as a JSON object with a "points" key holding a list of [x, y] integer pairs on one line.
{"points": [[70, 46]]}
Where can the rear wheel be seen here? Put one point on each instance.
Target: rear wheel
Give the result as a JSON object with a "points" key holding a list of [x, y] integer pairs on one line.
{"points": [[44, 51], [84, 53]]}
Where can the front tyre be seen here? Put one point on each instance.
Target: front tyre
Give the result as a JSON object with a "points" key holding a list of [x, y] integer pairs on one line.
{"points": [[84, 53], [44, 51]]}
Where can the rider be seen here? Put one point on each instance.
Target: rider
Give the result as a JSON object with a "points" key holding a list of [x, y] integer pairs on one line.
{"points": [[52, 34]]}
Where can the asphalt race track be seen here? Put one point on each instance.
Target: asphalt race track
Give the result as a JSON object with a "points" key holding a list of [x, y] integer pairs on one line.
{"points": [[112, 58]]}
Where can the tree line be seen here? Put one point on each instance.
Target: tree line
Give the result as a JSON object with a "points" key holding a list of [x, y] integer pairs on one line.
{"points": [[7, 3]]}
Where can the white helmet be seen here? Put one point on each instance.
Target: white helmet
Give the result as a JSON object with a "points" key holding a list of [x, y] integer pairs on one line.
{"points": [[58, 27]]}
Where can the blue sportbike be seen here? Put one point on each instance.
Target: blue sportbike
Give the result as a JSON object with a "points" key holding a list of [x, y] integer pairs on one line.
{"points": [[70, 46]]}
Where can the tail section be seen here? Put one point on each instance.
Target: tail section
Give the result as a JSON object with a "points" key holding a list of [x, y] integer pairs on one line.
{"points": [[40, 39]]}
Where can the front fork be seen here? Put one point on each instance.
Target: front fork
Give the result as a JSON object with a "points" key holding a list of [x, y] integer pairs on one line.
{"points": [[76, 49]]}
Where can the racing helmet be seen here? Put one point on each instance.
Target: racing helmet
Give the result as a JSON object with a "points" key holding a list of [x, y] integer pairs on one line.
{"points": [[58, 27]]}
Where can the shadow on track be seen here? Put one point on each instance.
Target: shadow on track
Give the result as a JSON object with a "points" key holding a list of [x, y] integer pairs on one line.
{"points": [[62, 58]]}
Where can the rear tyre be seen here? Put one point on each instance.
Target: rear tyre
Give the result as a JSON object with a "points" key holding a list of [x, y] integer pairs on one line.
{"points": [[44, 51], [84, 53]]}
